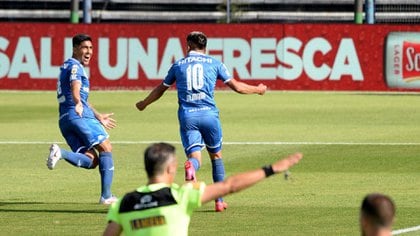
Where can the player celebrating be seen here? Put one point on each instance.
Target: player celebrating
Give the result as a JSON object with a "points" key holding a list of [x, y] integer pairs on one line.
{"points": [[195, 77], [80, 124], [164, 208]]}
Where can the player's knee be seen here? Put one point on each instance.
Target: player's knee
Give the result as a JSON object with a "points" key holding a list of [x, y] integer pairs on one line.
{"points": [[95, 163], [104, 147], [215, 155], [107, 147]]}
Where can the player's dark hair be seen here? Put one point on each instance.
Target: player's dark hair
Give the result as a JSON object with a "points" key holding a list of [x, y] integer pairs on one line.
{"points": [[155, 157], [197, 40], [379, 209], [79, 38]]}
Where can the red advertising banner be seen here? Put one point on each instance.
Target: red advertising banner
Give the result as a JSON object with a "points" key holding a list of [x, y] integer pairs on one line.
{"points": [[137, 56]]}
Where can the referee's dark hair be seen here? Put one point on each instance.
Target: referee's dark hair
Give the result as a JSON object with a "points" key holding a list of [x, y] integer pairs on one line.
{"points": [[378, 209], [197, 40], [155, 157]]}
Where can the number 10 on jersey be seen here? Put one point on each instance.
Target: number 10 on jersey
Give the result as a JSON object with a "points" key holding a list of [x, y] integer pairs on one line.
{"points": [[195, 76]]}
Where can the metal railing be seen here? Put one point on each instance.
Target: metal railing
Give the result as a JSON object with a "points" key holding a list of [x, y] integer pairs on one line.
{"points": [[249, 11]]}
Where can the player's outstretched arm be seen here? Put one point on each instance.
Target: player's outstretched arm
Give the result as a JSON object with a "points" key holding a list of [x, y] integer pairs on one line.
{"points": [[244, 88], [153, 96], [245, 180]]}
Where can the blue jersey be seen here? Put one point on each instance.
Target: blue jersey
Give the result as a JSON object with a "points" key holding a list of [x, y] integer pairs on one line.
{"points": [[72, 70], [195, 77]]}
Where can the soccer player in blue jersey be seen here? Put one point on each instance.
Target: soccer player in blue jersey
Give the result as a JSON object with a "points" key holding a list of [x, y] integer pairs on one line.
{"points": [[195, 77], [80, 124]]}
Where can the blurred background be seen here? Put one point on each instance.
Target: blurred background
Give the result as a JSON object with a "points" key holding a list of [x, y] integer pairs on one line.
{"points": [[208, 11]]}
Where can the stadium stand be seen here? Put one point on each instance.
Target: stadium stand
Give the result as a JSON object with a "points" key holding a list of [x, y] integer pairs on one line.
{"points": [[208, 11]]}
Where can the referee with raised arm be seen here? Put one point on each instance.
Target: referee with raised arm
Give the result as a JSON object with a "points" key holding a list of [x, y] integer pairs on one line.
{"points": [[163, 208]]}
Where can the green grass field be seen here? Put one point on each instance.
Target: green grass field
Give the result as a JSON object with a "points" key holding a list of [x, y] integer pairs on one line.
{"points": [[353, 144]]}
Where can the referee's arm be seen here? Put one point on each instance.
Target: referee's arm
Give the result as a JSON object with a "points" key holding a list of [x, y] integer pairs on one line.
{"points": [[112, 229], [245, 180]]}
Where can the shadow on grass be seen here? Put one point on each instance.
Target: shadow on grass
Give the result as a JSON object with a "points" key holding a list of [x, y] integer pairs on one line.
{"points": [[100, 209]]}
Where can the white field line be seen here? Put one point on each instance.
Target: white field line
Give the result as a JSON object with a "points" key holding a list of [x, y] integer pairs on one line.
{"points": [[226, 90], [235, 143], [406, 230]]}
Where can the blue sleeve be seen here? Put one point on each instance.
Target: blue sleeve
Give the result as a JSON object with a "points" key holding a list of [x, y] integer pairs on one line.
{"points": [[76, 73], [171, 76], [223, 73]]}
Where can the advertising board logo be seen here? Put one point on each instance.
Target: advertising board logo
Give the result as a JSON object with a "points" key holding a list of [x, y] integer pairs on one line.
{"points": [[402, 60], [411, 62]]}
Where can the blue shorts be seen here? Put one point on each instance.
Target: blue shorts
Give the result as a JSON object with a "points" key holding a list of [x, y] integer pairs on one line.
{"points": [[198, 132], [82, 134]]}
